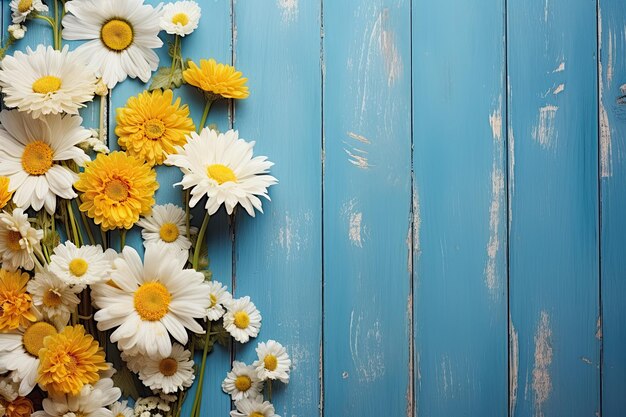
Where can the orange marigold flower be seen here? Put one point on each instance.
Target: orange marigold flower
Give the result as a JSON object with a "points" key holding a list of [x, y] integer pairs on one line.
{"points": [[69, 360], [20, 407], [16, 305], [218, 80]]}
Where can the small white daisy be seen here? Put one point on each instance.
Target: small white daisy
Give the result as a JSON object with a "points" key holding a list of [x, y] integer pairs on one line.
{"points": [[134, 361], [221, 166], [242, 319], [53, 297], [21, 9], [166, 224], [151, 406], [19, 353], [17, 31], [152, 300], [46, 81], [80, 266], [18, 241], [92, 401], [121, 409], [180, 18], [242, 382], [170, 374], [219, 298], [253, 407], [32, 154], [273, 362], [121, 35]]}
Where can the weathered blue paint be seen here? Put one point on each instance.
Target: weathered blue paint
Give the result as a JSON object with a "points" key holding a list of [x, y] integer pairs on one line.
{"points": [[460, 239], [612, 114], [553, 189], [279, 253], [367, 206]]}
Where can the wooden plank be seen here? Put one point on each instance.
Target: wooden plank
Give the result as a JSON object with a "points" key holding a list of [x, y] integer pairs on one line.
{"points": [[553, 188], [612, 86], [279, 253], [460, 234], [367, 207], [212, 39]]}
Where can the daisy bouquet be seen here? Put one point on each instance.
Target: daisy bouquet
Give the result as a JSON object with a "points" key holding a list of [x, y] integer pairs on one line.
{"points": [[70, 287]]}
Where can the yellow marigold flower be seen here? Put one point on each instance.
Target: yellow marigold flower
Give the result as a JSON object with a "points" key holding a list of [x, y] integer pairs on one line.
{"points": [[217, 79], [151, 125], [16, 306], [20, 407], [69, 360], [116, 190], [5, 194]]}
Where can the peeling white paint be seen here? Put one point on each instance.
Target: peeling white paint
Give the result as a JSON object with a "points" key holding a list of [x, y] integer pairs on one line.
{"points": [[514, 368], [586, 360], [366, 348], [542, 382], [495, 121], [355, 229], [609, 67], [359, 161], [511, 140], [544, 132], [417, 223], [559, 89], [497, 199], [390, 53], [545, 12], [560, 68], [606, 169], [360, 138], [622, 88], [599, 328], [288, 9]]}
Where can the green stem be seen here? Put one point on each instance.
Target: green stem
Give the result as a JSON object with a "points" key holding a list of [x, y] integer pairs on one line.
{"points": [[207, 108], [199, 241], [175, 55], [123, 238], [269, 390], [195, 410], [47, 19], [187, 214], [103, 237], [74, 225], [55, 28], [87, 227]]}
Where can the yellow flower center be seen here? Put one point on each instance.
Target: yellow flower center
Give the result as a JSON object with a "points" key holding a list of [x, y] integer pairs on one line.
{"points": [[243, 383], [180, 19], [213, 300], [78, 267], [242, 319], [169, 232], [47, 84], [256, 414], [152, 301], [154, 129], [168, 366], [37, 158], [13, 240], [117, 190], [270, 362], [34, 336], [117, 34], [221, 173], [51, 298], [24, 5]]}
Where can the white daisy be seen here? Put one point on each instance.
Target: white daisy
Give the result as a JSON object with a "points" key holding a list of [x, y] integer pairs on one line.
{"points": [[169, 374], [134, 361], [221, 166], [152, 300], [121, 409], [80, 266], [180, 18], [273, 362], [110, 255], [166, 224], [21, 9], [90, 402], [31, 155], [121, 34], [54, 298], [242, 382], [253, 407], [242, 319], [18, 353], [219, 298], [18, 241], [46, 81]]}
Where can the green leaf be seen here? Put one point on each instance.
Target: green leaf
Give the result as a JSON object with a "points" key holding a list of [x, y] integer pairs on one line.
{"points": [[164, 78], [220, 334], [125, 380]]}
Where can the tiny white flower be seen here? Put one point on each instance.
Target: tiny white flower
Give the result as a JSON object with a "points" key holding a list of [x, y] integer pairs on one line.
{"points": [[18, 241], [121, 409], [273, 362], [170, 374], [90, 402], [180, 18], [8, 389], [254, 407], [219, 298], [167, 225], [54, 298], [242, 319], [242, 382], [21, 9], [17, 31], [80, 266]]}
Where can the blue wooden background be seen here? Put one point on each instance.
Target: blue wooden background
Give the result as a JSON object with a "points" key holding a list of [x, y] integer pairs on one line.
{"points": [[447, 238]]}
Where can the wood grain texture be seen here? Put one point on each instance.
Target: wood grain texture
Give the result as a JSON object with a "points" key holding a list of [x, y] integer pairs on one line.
{"points": [[367, 206], [279, 253], [612, 68], [553, 188], [460, 238]]}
